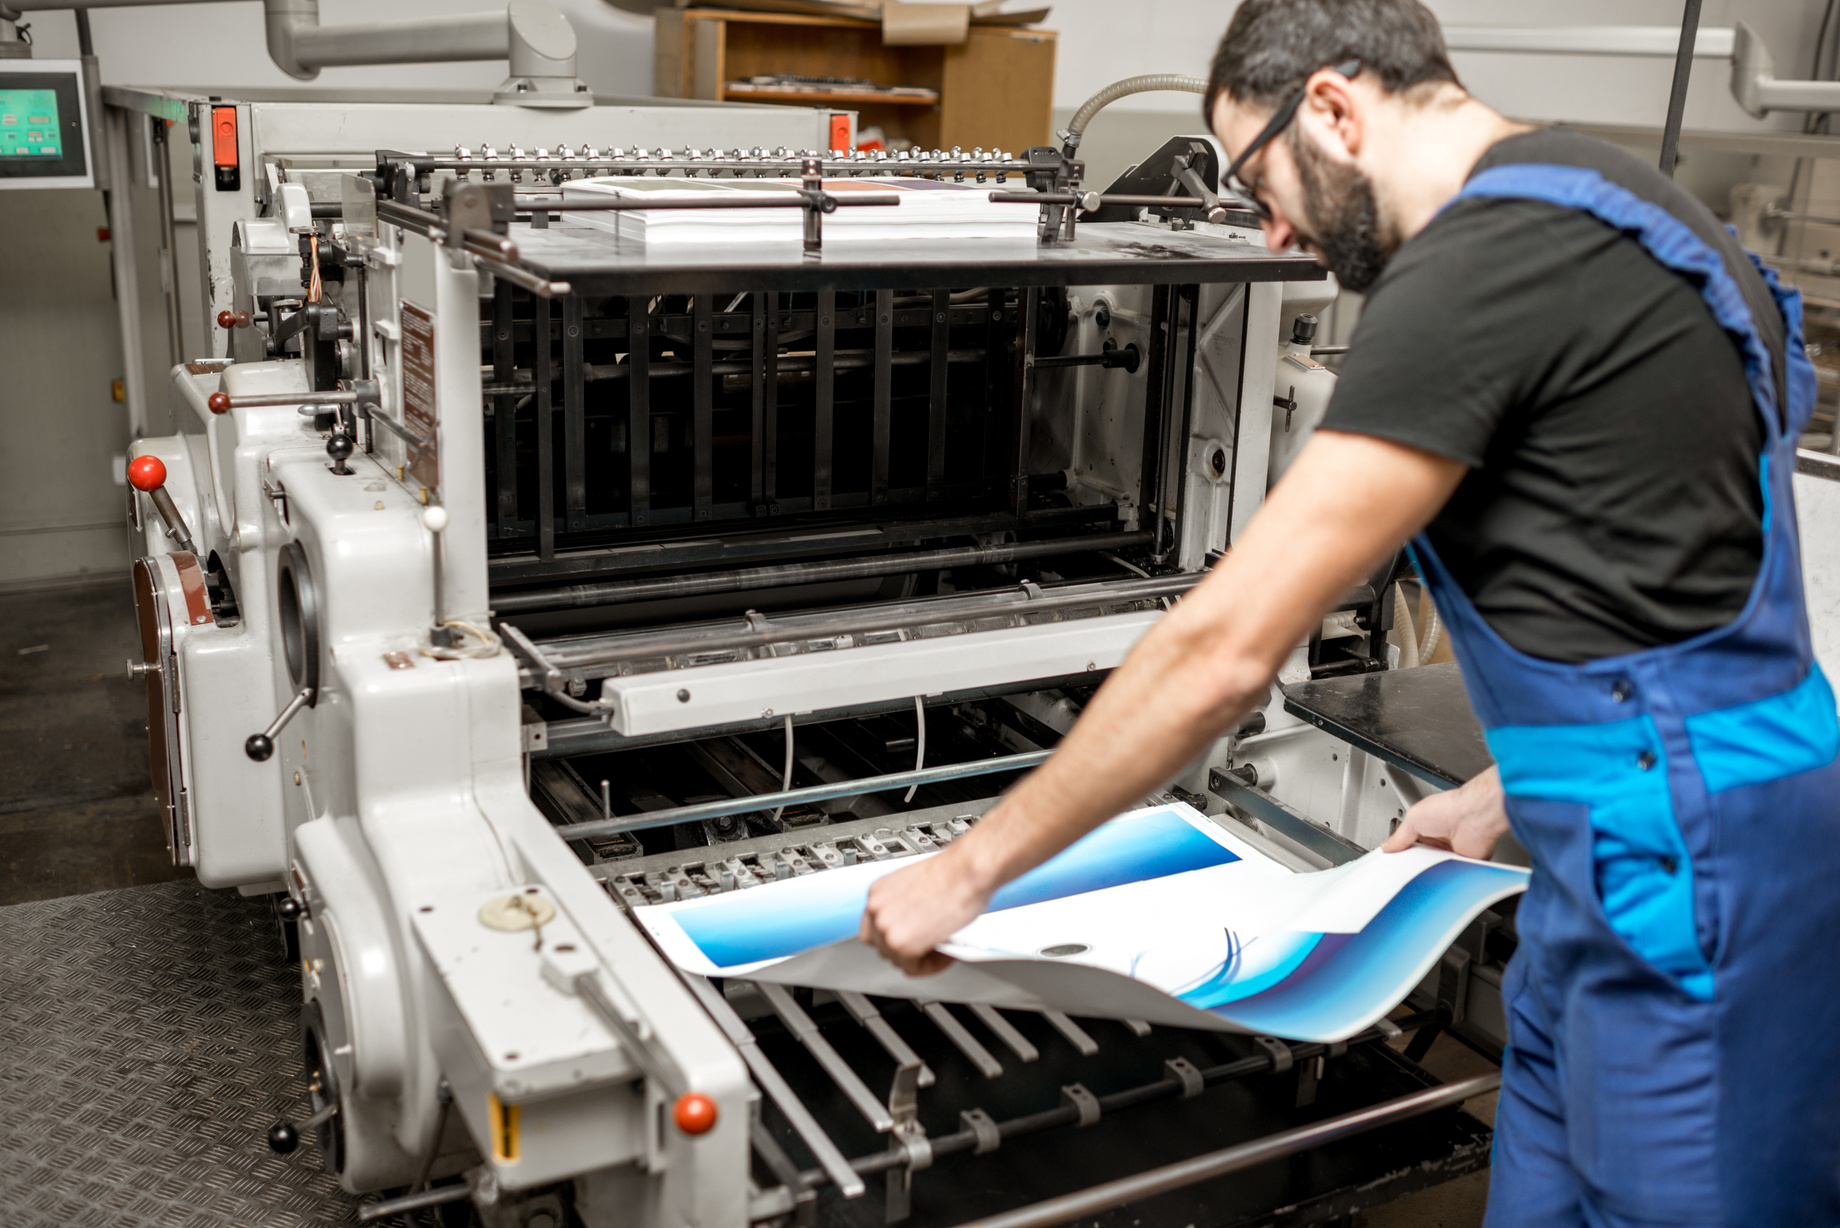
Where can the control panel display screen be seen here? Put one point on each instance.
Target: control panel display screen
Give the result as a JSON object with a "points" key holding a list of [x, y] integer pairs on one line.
{"points": [[29, 125], [42, 125]]}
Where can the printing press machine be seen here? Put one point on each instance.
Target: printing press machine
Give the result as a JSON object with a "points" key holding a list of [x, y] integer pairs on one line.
{"points": [[504, 574]]}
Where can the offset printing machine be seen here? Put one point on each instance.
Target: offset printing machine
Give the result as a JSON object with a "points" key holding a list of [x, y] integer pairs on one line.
{"points": [[504, 574]]}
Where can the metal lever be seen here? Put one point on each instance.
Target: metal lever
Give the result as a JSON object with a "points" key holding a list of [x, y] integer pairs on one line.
{"points": [[284, 1136], [434, 519], [261, 745], [147, 474]]}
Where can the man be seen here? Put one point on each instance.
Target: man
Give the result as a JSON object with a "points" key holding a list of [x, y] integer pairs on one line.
{"points": [[1575, 388]]}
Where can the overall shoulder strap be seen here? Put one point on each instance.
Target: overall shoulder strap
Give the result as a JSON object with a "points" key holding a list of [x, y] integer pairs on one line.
{"points": [[1674, 244]]}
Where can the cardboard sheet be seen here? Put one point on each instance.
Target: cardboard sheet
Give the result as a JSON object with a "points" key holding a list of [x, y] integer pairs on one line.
{"points": [[1160, 914]]}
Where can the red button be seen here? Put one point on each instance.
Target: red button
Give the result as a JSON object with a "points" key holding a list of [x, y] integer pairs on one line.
{"points": [[223, 135], [695, 1113]]}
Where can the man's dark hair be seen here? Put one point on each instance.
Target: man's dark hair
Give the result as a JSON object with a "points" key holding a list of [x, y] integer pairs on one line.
{"points": [[1272, 47]]}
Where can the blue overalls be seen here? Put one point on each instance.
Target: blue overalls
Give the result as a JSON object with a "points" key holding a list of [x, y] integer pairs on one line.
{"points": [[1674, 1007]]}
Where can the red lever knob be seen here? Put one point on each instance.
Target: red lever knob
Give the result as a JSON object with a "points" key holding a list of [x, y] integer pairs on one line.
{"points": [[695, 1113], [218, 402], [147, 473], [226, 319]]}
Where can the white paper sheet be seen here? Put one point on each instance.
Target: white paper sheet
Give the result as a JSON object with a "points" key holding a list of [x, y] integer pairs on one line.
{"points": [[1160, 915]]}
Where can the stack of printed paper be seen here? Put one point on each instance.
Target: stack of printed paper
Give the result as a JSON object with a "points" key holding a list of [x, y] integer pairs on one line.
{"points": [[927, 209], [1158, 915]]}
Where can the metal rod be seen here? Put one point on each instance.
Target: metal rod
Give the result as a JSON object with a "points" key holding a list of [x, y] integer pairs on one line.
{"points": [[1127, 358], [1019, 412], [1267, 1062], [169, 254], [639, 411], [370, 1213], [546, 435], [829, 1158], [589, 735], [292, 398], [936, 393], [811, 793], [757, 404], [1331, 847], [1103, 1197], [883, 398], [1075, 1035], [1090, 202], [1677, 95], [1010, 601], [1005, 1031], [619, 592], [566, 204], [825, 357], [504, 409], [847, 1080], [967, 1044], [574, 418], [702, 409], [769, 460], [863, 1011]]}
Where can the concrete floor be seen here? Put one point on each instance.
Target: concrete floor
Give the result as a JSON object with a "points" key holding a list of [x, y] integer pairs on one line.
{"points": [[76, 806], [77, 813]]}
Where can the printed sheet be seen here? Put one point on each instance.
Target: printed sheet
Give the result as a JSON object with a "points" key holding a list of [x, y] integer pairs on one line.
{"points": [[1160, 915]]}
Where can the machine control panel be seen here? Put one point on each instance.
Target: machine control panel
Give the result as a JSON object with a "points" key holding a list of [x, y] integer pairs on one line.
{"points": [[43, 125]]}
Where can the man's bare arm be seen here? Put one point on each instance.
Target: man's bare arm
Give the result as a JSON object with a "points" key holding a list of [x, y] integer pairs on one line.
{"points": [[1346, 502]]}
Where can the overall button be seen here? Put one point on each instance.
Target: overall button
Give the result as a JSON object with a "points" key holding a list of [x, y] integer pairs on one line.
{"points": [[1669, 865], [1622, 690], [1645, 760]]}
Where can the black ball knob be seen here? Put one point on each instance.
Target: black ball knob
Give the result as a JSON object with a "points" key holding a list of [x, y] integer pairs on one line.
{"points": [[259, 747], [1303, 329], [289, 908], [283, 1137], [339, 447]]}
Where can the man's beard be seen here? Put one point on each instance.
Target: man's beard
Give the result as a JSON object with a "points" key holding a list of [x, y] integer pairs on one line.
{"points": [[1344, 217]]}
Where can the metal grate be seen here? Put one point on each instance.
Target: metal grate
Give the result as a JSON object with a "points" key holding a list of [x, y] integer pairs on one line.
{"points": [[148, 1039]]}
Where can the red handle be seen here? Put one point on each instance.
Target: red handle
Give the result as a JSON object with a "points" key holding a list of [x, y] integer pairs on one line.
{"points": [[218, 402], [147, 473]]}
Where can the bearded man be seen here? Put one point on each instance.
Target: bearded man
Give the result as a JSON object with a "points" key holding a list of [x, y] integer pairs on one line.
{"points": [[1579, 398]]}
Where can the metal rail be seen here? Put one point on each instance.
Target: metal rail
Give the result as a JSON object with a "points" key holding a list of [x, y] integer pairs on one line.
{"points": [[601, 651], [619, 592], [1109, 1194], [794, 797]]}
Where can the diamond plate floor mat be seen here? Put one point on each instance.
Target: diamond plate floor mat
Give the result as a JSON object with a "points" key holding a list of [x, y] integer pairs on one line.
{"points": [[148, 1039]]}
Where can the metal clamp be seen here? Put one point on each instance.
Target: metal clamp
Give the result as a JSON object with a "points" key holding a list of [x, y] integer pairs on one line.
{"points": [[1083, 1102], [984, 1126], [1188, 1075], [1279, 1051]]}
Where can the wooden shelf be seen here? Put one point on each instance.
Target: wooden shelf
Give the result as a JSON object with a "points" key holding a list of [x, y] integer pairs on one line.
{"points": [[995, 90], [736, 91]]}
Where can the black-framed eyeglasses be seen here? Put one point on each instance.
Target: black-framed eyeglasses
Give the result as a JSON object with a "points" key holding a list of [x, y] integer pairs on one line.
{"points": [[1280, 120]]}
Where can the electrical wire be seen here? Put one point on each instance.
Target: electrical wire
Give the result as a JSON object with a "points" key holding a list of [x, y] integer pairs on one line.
{"points": [[919, 747]]}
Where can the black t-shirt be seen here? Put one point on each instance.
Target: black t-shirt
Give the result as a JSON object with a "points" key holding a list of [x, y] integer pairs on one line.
{"points": [[1613, 499]]}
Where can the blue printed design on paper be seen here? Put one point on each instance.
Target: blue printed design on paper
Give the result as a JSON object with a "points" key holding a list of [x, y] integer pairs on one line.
{"points": [[737, 929]]}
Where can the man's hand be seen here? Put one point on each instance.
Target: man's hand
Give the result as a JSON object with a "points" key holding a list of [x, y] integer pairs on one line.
{"points": [[1467, 820], [913, 910]]}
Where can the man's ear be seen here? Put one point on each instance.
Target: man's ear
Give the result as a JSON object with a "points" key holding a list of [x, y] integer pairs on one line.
{"points": [[1335, 111]]}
